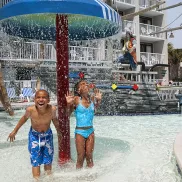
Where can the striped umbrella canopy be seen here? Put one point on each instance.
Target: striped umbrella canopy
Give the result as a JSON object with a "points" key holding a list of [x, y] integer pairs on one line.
{"points": [[35, 19]]}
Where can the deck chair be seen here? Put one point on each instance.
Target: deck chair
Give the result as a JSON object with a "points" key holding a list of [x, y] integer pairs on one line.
{"points": [[27, 92], [11, 93]]}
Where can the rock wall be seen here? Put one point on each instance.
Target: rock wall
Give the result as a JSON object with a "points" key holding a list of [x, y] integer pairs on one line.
{"points": [[145, 100]]}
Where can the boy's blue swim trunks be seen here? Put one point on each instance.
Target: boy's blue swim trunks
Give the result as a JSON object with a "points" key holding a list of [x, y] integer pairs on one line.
{"points": [[40, 147]]}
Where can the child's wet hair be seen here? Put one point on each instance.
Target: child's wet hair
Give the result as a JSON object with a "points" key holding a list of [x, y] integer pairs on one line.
{"points": [[76, 87], [42, 90]]}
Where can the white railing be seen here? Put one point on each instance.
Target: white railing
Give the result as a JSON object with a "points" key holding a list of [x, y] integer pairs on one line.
{"points": [[146, 29], [137, 76], [126, 1], [78, 53], [36, 51], [169, 93], [27, 51], [128, 25], [147, 3], [3, 2], [177, 84], [151, 59]]}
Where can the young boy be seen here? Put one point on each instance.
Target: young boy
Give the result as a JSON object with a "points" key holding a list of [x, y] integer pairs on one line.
{"points": [[40, 140]]}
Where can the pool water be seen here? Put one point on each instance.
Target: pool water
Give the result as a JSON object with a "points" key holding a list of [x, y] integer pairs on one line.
{"points": [[127, 149]]}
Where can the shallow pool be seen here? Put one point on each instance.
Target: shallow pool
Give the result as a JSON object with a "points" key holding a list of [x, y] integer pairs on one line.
{"points": [[127, 149]]}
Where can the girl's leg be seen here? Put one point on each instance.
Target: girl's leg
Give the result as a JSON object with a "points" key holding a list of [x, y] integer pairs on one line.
{"points": [[80, 147], [89, 150], [48, 168], [36, 172]]}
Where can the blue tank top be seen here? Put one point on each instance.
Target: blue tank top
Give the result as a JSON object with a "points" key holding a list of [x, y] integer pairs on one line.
{"points": [[84, 116]]}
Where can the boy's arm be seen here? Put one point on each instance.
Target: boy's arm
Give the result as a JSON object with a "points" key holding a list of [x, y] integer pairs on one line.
{"points": [[56, 123], [23, 119]]}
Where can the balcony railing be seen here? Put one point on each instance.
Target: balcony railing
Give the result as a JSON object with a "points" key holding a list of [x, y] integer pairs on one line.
{"points": [[88, 56], [152, 58], [128, 25], [125, 1], [147, 3], [149, 59], [146, 29], [31, 51], [3, 2], [27, 51]]}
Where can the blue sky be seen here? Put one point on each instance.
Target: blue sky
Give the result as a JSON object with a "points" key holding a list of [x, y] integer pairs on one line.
{"points": [[171, 15]]}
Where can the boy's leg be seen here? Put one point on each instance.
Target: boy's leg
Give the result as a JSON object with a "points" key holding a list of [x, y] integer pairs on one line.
{"points": [[89, 150], [80, 147], [48, 168], [36, 172]]}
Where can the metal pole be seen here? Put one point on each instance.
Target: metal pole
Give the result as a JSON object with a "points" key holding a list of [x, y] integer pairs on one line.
{"points": [[62, 86], [142, 11], [169, 7], [168, 30]]}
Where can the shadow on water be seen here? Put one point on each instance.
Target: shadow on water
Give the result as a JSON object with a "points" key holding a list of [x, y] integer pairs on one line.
{"points": [[108, 153], [103, 146], [16, 143]]}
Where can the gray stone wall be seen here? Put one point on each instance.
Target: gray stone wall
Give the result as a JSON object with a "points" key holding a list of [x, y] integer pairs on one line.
{"points": [[143, 101]]}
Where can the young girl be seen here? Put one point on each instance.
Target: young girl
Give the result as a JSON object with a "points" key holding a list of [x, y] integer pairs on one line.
{"points": [[84, 106]]}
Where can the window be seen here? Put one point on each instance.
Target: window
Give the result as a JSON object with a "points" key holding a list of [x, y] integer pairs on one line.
{"points": [[121, 13], [144, 47], [145, 20]]}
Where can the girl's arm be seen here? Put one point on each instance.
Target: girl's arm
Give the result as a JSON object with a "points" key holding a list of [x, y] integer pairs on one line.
{"points": [[98, 98], [71, 102]]}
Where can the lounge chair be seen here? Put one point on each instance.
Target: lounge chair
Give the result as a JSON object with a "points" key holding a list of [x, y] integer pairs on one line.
{"points": [[27, 92], [11, 93]]}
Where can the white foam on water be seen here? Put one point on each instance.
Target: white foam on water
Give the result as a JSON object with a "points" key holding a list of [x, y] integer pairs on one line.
{"points": [[127, 149]]}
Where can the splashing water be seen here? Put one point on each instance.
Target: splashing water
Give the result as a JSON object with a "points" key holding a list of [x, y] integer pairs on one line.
{"points": [[127, 149]]}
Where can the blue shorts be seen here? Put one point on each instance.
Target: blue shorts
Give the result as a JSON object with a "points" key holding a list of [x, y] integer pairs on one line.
{"points": [[41, 147], [84, 133]]}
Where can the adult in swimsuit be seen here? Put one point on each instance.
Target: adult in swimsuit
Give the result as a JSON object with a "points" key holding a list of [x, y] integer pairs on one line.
{"points": [[84, 106]]}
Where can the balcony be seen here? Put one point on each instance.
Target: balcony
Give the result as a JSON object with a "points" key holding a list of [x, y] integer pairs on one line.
{"points": [[151, 59], [147, 3], [145, 31], [26, 51], [123, 4], [3, 2], [128, 25], [45, 54]]}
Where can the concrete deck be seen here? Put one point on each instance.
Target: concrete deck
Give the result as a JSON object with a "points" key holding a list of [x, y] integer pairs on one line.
{"points": [[178, 150]]}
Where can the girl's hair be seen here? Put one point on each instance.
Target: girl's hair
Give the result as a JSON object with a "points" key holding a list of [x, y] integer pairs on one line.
{"points": [[76, 87]]}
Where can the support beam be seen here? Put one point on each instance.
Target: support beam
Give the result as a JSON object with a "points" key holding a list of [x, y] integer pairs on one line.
{"points": [[142, 11], [169, 7], [168, 30], [63, 86]]}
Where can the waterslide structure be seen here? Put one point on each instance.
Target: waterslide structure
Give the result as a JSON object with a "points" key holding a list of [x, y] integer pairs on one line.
{"points": [[60, 20]]}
